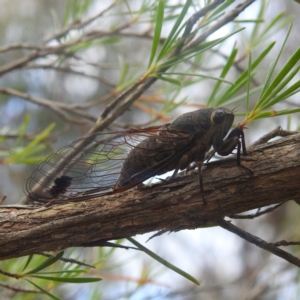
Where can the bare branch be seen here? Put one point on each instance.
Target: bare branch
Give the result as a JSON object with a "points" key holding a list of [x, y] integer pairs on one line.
{"points": [[9, 274], [60, 49], [18, 47], [171, 206], [286, 243], [57, 107], [272, 134], [258, 214], [228, 18], [193, 20], [18, 290], [259, 242], [69, 70], [77, 24]]}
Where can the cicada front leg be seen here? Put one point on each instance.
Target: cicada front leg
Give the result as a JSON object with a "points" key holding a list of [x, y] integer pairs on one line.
{"points": [[235, 139]]}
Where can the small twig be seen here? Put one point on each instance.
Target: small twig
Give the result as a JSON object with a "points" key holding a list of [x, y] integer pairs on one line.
{"points": [[285, 243], [19, 62], [17, 289], [259, 213], [97, 101], [272, 134], [193, 20], [259, 242], [60, 49], [78, 24], [107, 244], [68, 70], [17, 47], [57, 107], [16, 276], [159, 233], [227, 18]]}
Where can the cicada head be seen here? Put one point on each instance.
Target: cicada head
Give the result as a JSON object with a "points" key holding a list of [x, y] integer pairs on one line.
{"points": [[222, 118]]}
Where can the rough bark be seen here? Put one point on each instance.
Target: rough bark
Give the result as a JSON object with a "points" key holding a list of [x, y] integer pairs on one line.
{"points": [[170, 206]]}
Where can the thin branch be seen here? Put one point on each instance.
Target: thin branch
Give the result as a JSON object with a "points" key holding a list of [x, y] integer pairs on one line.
{"points": [[286, 243], [272, 134], [9, 274], [193, 20], [69, 70], [258, 214], [97, 101], [19, 63], [57, 107], [18, 47], [77, 24], [61, 48], [259, 242], [225, 20], [18, 290]]}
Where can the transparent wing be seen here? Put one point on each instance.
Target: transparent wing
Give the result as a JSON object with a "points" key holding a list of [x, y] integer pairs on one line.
{"points": [[92, 166]]}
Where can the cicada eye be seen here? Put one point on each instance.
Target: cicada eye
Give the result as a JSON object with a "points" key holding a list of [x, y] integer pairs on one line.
{"points": [[218, 117]]}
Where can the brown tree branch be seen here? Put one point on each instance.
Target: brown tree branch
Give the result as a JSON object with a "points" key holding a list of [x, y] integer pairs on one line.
{"points": [[171, 206], [278, 131], [259, 242], [59, 108], [257, 214], [17, 289]]}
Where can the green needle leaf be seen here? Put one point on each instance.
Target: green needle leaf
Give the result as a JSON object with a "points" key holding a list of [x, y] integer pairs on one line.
{"points": [[169, 79], [270, 86], [280, 87], [172, 35], [224, 72], [163, 261], [27, 262], [157, 31], [48, 262], [68, 279], [44, 291]]}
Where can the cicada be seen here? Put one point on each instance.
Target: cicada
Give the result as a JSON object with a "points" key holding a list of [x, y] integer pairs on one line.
{"points": [[103, 164]]}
